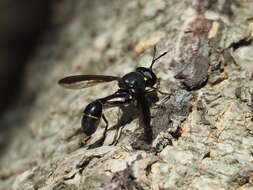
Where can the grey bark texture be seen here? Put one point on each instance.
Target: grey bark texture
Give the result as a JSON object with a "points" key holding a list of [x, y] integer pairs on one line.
{"points": [[203, 130]]}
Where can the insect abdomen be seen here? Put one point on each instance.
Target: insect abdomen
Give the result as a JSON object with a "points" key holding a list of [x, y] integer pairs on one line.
{"points": [[91, 117]]}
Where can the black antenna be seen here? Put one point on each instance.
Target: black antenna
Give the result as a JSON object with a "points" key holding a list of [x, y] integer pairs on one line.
{"points": [[155, 59]]}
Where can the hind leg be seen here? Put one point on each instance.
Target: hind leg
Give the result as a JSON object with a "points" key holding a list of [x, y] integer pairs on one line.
{"points": [[100, 142], [106, 127]]}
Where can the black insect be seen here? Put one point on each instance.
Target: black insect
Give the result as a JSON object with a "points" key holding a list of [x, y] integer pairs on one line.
{"points": [[132, 88]]}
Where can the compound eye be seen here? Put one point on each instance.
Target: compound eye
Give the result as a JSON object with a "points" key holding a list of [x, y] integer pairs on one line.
{"points": [[149, 76], [150, 79]]}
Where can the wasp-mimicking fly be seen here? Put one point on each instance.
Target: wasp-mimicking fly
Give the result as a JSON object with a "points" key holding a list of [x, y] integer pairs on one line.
{"points": [[133, 87]]}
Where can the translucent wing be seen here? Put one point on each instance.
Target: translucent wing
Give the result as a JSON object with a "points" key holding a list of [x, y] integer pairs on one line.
{"points": [[84, 81]]}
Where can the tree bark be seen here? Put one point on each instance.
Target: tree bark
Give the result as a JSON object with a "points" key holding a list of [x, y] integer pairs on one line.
{"points": [[202, 126]]}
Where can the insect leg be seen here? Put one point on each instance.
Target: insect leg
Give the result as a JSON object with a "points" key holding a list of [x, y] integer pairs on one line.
{"points": [[106, 126], [100, 142], [117, 135]]}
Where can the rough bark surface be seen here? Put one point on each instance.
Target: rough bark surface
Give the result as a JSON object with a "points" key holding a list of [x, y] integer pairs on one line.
{"points": [[203, 130]]}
